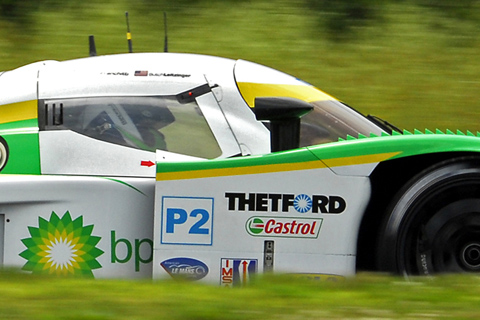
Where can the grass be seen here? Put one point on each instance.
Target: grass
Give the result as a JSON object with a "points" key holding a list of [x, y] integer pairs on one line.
{"points": [[271, 297]]}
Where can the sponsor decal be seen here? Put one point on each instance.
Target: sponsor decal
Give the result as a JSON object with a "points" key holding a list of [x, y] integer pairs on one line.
{"points": [[185, 268], [237, 272], [141, 73], [124, 250], [61, 246], [278, 202], [284, 227], [187, 220], [116, 74], [144, 73], [175, 75]]}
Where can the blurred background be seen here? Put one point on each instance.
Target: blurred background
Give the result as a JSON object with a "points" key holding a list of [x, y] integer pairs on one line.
{"points": [[414, 63]]}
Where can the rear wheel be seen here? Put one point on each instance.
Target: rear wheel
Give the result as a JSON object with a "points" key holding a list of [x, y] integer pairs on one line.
{"points": [[434, 223]]}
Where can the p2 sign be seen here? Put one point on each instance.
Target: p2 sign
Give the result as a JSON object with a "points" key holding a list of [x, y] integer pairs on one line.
{"points": [[187, 220]]}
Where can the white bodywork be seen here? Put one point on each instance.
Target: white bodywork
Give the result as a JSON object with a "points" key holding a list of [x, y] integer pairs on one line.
{"points": [[330, 249], [140, 221]]}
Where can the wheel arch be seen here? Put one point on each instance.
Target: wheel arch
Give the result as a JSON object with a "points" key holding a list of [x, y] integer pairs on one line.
{"points": [[386, 181]]}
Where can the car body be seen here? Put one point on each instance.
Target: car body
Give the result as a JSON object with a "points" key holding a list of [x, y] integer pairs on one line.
{"points": [[157, 165]]}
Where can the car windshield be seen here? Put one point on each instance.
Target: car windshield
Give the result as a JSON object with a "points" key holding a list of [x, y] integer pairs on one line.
{"points": [[331, 120]]}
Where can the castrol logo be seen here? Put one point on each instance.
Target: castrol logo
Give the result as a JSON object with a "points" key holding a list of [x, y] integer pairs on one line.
{"points": [[284, 227]]}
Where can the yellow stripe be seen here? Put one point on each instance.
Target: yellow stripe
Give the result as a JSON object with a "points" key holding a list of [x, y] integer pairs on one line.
{"points": [[350, 161], [269, 168], [222, 172], [129, 36], [306, 93], [24, 110]]}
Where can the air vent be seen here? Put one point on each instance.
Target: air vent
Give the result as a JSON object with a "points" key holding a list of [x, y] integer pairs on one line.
{"points": [[53, 114]]}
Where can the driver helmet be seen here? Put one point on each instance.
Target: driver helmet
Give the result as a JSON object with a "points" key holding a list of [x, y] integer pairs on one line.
{"points": [[130, 124], [112, 123]]}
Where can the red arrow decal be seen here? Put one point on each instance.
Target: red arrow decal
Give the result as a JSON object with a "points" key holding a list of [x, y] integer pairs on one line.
{"points": [[147, 163], [245, 266]]}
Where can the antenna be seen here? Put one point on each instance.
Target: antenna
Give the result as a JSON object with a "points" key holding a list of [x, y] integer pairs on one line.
{"points": [[129, 35], [165, 48], [91, 45]]}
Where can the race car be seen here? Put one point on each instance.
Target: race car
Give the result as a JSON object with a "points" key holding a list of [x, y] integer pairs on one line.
{"points": [[169, 165]]}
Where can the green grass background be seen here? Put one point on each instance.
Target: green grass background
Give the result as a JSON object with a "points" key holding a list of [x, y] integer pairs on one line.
{"points": [[414, 66], [281, 297]]}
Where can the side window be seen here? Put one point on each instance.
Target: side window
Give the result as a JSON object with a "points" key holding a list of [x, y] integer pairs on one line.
{"points": [[331, 120], [146, 123]]}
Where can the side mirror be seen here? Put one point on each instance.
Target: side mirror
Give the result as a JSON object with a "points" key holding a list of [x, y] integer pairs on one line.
{"points": [[284, 115]]}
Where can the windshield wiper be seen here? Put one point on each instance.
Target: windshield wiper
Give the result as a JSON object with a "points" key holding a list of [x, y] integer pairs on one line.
{"points": [[385, 125]]}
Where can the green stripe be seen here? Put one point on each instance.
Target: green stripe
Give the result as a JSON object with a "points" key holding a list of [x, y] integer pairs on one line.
{"points": [[18, 126], [287, 157], [398, 145], [125, 184], [23, 155], [23, 146], [406, 145]]}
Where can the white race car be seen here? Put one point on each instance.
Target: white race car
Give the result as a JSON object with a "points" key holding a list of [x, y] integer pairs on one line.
{"points": [[198, 167]]}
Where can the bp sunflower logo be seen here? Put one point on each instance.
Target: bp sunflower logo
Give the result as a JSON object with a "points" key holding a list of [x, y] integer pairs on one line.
{"points": [[61, 246]]}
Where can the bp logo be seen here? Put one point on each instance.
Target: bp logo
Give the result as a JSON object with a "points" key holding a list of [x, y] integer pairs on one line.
{"points": [[61, 246]]}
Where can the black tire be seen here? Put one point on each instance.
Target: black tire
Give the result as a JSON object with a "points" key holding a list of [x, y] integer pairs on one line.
{"points": [[433, 224]]}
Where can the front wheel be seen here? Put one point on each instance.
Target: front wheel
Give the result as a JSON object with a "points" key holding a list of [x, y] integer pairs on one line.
{"points": [[433, 224]]}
